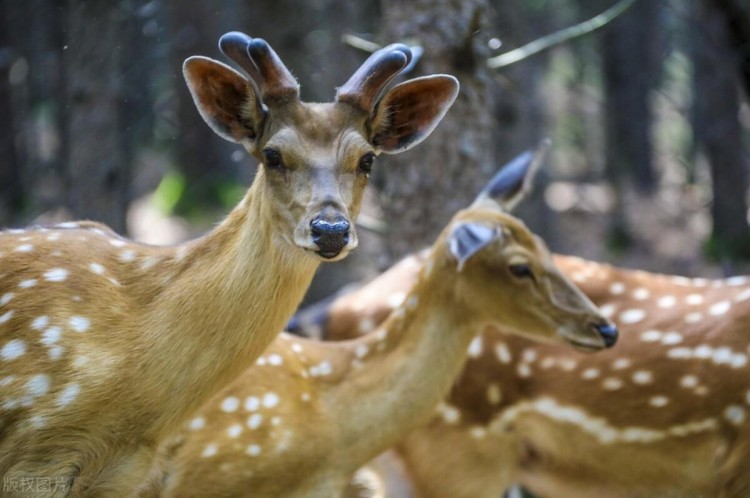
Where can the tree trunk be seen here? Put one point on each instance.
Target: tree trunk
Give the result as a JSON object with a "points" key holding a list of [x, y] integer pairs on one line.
{"points": [[718, 132], [97, 174], [424, 187], [11, 194]]}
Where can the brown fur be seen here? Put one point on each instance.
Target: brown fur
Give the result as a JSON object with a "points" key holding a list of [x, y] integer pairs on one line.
{"points": [[373, 390], [497, 444], [117, 342]]}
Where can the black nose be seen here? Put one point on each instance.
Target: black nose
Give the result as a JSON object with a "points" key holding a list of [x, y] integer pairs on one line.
{"points": [[608, 332], [330, 236]]}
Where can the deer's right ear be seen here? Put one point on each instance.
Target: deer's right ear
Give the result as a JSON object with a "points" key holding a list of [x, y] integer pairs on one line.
{"points": [[226, 100], [467, 239], [409, 112]]}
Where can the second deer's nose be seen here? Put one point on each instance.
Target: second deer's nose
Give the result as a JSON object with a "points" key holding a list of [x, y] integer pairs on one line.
{"points": [[608, 332], [331, 236]]}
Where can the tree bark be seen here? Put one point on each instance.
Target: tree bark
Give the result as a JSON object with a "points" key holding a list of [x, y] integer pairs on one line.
{"points": [[717, 130], [424, 187], [96, 172]]}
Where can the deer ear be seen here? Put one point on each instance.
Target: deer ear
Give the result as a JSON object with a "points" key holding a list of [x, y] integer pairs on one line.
{"points": [[409, 112], [511, 184], [225, 99], [467, 239]]}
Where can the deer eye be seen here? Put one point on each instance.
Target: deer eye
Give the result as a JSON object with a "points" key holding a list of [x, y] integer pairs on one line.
{"points": [[365, 162], [521, 271], [272, 159]]}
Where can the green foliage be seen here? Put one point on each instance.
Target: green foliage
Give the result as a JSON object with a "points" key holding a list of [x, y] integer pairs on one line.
{"points": [[169, 192]]}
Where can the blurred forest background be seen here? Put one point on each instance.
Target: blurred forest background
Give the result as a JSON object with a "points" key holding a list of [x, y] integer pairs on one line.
{"points": [[649, 119]]}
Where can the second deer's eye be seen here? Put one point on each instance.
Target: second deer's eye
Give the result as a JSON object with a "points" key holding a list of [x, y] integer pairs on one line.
{"points": [[521, 271], [272, 159], [365, 162]]}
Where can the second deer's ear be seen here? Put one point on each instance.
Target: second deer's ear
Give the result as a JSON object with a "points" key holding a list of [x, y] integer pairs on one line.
{"points": [[226, 100], [467, 239], [409, 112]]}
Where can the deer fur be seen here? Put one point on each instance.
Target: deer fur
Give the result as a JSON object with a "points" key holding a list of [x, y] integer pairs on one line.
{"points": [[107, 345]]}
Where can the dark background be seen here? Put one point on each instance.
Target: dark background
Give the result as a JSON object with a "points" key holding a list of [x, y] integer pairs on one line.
{"points": [[649, 119]]}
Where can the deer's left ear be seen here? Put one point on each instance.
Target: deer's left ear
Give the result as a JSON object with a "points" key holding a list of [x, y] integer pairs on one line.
{"points": [[409, 112], [467, 239]]}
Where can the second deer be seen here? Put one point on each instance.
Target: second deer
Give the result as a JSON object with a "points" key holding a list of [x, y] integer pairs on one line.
{"points": [[308, 414], [664, 414]]}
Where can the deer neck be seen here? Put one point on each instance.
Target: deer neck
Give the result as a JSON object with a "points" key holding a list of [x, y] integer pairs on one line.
{"points": [[410, 364], [224, 302]]}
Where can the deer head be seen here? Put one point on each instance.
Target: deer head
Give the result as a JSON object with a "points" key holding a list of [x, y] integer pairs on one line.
{"points": [[316, 158], [485, 244]]}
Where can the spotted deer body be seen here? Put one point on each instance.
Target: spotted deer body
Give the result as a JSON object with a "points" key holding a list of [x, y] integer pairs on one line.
{"points": [[107, 346], [324, 409], [666, 413]]}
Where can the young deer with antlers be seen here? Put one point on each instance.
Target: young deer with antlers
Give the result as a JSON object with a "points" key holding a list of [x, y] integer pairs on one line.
{"points": [[665, 413], [324, 409], [107, 346]]}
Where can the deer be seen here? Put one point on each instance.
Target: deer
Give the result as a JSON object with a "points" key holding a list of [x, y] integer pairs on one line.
{"points": [[664, 414], [107, 345], [321, 410]]}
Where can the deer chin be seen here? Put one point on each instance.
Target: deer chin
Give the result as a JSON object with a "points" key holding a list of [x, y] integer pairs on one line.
{"points": [[582, 341]]}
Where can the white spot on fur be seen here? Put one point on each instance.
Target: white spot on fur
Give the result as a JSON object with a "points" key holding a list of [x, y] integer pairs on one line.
{"points": [[643, 377], [634, 315], [230, 404], [475, 347], [13, 349], [450, 414], [254, 421], [641, 294], [611, 384], [361, 350], [617, 288], [297, 348], [275, 359], [6, 298], [27, 284], [127, 256], [523, 370], [672, 338], [51, 336], [149, 262], [590, 373], [197, 423], [253, 450], [252, 403], [68, 395], [742, 296], [737, 280], [305, 397], [693, 317], [234, 431], [40, 322], [694, 299], [689, 381], [666, 302], [96, 268], [56, 275], [651, 336], [79, 323], [503, 353], [276, 421], [55, 352], [734, 414], [116, 242], [621, 364], [209, 451], [25, 248], [270, 400], [658, 401], [38, 385], [478, 432], [608, 310], [719, 308], [6, 316]]}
